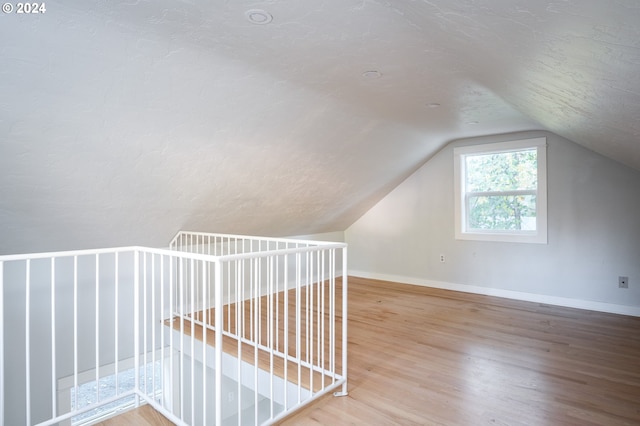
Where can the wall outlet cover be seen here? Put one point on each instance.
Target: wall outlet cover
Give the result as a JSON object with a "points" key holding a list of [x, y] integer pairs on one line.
{"points": [[623, 282]]}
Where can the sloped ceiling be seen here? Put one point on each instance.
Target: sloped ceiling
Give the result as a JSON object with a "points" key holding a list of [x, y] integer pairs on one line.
{"points": [[122, 122]]}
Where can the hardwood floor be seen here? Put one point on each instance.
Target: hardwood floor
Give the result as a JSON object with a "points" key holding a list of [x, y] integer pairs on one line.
{"points": [[143, 416], [434, 357]]}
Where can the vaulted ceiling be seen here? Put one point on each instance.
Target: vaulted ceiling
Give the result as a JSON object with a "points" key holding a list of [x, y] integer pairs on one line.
{"points": [[122, 122]]}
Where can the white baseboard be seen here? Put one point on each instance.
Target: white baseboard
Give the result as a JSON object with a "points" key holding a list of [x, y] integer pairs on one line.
{"points": [[508, 294]]}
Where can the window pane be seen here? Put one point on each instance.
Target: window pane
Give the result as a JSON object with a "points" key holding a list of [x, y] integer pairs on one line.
{"points": [[504, 171], [505, 213]]}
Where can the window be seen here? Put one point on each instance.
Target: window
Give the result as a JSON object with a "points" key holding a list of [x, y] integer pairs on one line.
{"points": [[501, 191]]}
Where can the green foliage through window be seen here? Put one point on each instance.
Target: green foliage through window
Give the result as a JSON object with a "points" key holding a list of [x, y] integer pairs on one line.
{"points": [[501, 190]]}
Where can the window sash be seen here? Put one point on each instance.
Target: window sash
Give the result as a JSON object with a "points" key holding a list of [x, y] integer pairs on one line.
{"points": [[464, 231], [469, 196], [513, 193]]}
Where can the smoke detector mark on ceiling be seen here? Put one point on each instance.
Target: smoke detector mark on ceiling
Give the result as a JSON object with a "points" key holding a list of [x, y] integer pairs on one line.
{"points": [[258, 16], [372, 74]]}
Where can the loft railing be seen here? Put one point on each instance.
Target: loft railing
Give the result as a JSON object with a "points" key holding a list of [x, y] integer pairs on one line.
{"points": [[218, 330]]}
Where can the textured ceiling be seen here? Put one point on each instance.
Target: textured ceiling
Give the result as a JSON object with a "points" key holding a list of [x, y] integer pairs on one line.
{"points": [[122, 122]]}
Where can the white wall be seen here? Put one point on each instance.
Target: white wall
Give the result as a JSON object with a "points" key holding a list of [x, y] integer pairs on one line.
{"points": [[334, 237], [593, 233]]}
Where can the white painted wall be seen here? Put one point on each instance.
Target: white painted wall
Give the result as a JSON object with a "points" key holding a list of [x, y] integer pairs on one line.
{"points": [[594, 234], [334, 237]]}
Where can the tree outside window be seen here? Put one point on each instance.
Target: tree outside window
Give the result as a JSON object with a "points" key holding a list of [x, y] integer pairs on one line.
{"points": [[501, 191]]}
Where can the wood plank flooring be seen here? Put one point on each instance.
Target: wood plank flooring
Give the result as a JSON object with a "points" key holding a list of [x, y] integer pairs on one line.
{"points": [[433, 357], [142, 416]]}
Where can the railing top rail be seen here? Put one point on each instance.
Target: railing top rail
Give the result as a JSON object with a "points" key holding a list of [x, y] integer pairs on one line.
{"points": [[67, 253], [254, 238], [172, 253], [89, 252], [279, 252], [248, 255]]}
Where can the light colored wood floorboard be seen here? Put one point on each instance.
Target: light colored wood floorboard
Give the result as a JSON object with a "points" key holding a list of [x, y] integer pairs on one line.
{"points": [[141, 416], [434, 357], [427, 356]]}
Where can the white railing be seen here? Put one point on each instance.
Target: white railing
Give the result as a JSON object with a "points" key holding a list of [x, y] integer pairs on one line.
{"points": [[218, 330]]}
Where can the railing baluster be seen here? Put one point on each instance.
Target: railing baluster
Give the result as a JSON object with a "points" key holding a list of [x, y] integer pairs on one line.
{"points": [[218, 340], [298, 325], [145, 303], [116, 317], [27, 325], [204, 266], [345, 307], [54, 387], [153, 326], [285, 336], [136, 320], [323, 331], [75, 331], [172, 284], [193, 338], [310, 318], [332, 314], [2, 343], [270, 338], [239, 323], [181, 319], [162, 340], [97, 327], [256, 340]]}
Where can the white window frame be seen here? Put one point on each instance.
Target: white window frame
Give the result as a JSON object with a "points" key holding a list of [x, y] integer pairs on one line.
{"points": [[538, 236]]}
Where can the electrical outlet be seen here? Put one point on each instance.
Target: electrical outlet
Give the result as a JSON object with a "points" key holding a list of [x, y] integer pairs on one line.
{"points": [[442, 258], [623, 282]]}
